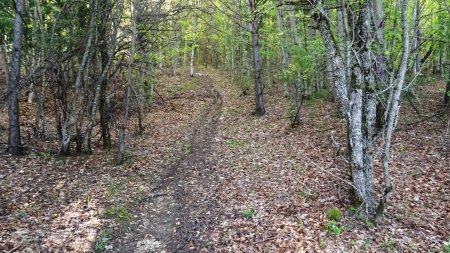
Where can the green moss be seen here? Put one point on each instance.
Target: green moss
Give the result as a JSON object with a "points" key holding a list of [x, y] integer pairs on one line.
{"points": [[334, 214], [118, 212], [234, 144], [249, 213]]}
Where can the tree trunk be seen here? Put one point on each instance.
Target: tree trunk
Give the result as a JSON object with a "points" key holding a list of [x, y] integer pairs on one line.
{"points": [[416, 38], [357, 100], [100, 90], [4, 63], [194, 42], [176, 48], [75, 110], [447, 92], [14, 140], [394, 107], [257, 65], [284, 53], [121, 139]]}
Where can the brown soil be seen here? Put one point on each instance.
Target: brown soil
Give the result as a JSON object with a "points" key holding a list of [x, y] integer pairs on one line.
{"points": [[163, 219]]}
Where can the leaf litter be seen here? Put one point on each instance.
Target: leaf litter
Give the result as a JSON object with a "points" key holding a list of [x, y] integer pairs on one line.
{"points": [[210, 177]]}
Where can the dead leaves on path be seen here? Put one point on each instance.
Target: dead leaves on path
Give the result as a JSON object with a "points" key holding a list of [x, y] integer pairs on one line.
{"points": [[290, 178], [267, 187]]}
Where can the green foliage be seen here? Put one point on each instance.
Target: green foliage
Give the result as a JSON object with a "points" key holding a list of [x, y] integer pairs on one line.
{"points": [[366, 244], [186, 149], [369, 224], [207, 244], [225, 112], [45, 155], [388, 245], [20, 214], [309, 194], [353, 209], [333, 228], [118, 212], [323, 244], [248, 213], [334, 214], [112, 189], [6, 21], [234, 144], [103, 241], [180, 88], [321, 94], [446, 246], [244, 82]]}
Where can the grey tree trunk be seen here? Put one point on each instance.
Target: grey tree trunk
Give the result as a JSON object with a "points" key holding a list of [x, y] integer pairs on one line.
{"points": [[257, 63], [416, 38], [191, 62], [284, 53], [122, 130], [14, 140], [357, 96], [176, 48], [394, 107], [75, 111], [103, 79]]}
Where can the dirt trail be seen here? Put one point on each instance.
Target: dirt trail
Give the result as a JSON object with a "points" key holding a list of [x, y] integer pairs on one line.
{"points": [[167, 213]]}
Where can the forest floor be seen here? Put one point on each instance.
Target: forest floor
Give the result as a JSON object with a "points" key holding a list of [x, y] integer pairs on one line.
{"points": [[208, 176]]}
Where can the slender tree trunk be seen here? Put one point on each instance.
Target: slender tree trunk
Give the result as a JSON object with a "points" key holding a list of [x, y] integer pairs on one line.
{"points": [[73, 113], [121, 139], [191, 63], [100, 91], [39, 35], [416, 38], [394, 107], [14, 140], [257, 63], [4, 62], [184, 53], [381, 70], [284, 53], [104, 113], [176, 48]]}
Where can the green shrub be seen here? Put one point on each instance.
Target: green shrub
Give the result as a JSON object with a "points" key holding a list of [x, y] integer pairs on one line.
{"points": [[446, 246], [334, 228], [388, 245], [117, 212], [249, 213], [103, 241], [45, 155], [334, 214], [234, 144]]}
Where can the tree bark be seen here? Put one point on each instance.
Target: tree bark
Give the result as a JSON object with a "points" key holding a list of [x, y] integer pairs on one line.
{"points": [[176, 48], [107, 56], [257, 64], [122, 130], [193, 46], [394, 107], [14, 140], [284, 53], [416, 38], [73, 115]]}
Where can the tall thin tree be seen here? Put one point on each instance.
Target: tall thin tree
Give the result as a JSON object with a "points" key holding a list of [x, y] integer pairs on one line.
{"points": [[14, 140]]}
